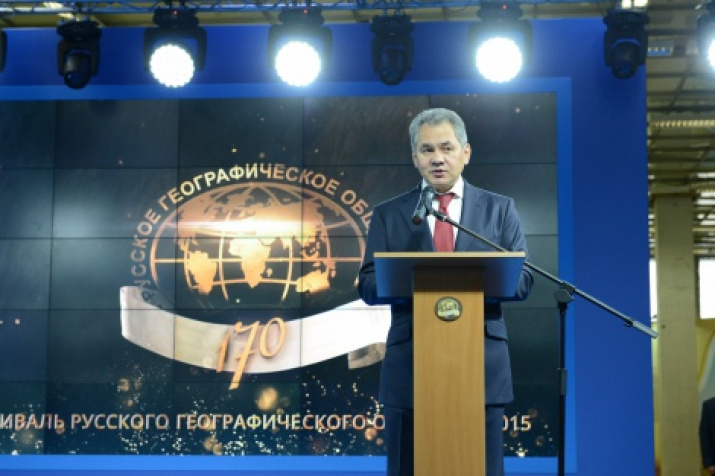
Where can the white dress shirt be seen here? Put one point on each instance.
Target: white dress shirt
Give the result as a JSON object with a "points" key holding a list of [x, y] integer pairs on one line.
{"points": [[454, 210]]}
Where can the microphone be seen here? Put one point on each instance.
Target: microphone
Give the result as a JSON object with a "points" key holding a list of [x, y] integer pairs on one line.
{"points": [[423, 205]]}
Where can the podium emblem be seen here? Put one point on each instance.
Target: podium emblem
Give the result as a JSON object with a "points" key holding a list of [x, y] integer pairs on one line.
{"points": [[448, 308]]}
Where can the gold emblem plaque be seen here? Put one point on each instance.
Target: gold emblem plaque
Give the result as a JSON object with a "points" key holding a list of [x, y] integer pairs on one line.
{"points": [[448, 308]]}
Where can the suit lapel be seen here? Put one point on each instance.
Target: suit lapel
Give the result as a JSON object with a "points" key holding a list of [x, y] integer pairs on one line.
{"points": [[472, 209]]}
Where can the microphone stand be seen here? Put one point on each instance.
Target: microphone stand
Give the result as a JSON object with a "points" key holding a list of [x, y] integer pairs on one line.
{"points": [[563, 295]]}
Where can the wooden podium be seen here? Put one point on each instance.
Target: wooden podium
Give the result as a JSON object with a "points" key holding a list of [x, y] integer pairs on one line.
{"points": [[448, 291]]}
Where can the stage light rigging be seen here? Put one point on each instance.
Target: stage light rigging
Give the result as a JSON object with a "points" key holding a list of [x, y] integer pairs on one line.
{"points": [[392, 47], [176, 49], [500, 42], [299, 48], [78, 51], [625, 43]]}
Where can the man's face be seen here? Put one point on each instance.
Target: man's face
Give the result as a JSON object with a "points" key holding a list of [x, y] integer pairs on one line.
{"points": [[438, 155]]}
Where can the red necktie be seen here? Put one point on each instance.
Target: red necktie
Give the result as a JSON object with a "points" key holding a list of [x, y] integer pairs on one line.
{"points": [[443, 232]]}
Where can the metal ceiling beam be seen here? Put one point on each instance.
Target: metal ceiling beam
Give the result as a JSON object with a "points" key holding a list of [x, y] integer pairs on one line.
{"points": [[659, 136], [710, 95], [127, 7]]}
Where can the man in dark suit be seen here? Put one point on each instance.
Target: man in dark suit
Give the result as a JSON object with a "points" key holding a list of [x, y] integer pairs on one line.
{"points": [[707, 435], [440, 151]]}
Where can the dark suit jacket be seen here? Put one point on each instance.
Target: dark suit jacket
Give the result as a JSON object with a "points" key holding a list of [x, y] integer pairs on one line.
{"points": [[492, 216], [707, 433]]}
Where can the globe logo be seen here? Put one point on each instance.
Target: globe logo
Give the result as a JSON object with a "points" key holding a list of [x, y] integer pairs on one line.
{"points": [[258, 246]]}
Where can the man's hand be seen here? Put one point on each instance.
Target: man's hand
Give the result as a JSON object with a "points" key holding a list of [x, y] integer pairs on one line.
{"points": [[710, 470]]}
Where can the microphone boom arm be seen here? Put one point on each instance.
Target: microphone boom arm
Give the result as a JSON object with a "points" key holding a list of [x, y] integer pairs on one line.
{"points": [[563, 285]]}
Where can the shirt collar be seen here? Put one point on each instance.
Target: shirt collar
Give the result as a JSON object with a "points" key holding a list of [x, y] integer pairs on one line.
{"points": [[457, 189]]}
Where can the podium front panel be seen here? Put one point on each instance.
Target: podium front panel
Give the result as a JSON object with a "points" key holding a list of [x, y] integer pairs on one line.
{"points": [[449, 371]]}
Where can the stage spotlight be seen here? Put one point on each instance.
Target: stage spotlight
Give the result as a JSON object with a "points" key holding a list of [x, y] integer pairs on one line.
{"points": [[706, 34], [392, 47], [625, 43], [501, 42], [177, 48], [78, 52], [299, 48]]}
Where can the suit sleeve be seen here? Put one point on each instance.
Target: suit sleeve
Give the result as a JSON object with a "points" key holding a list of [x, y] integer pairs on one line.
{"points": [[376, 241], [707, 441], [513, 239]]}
